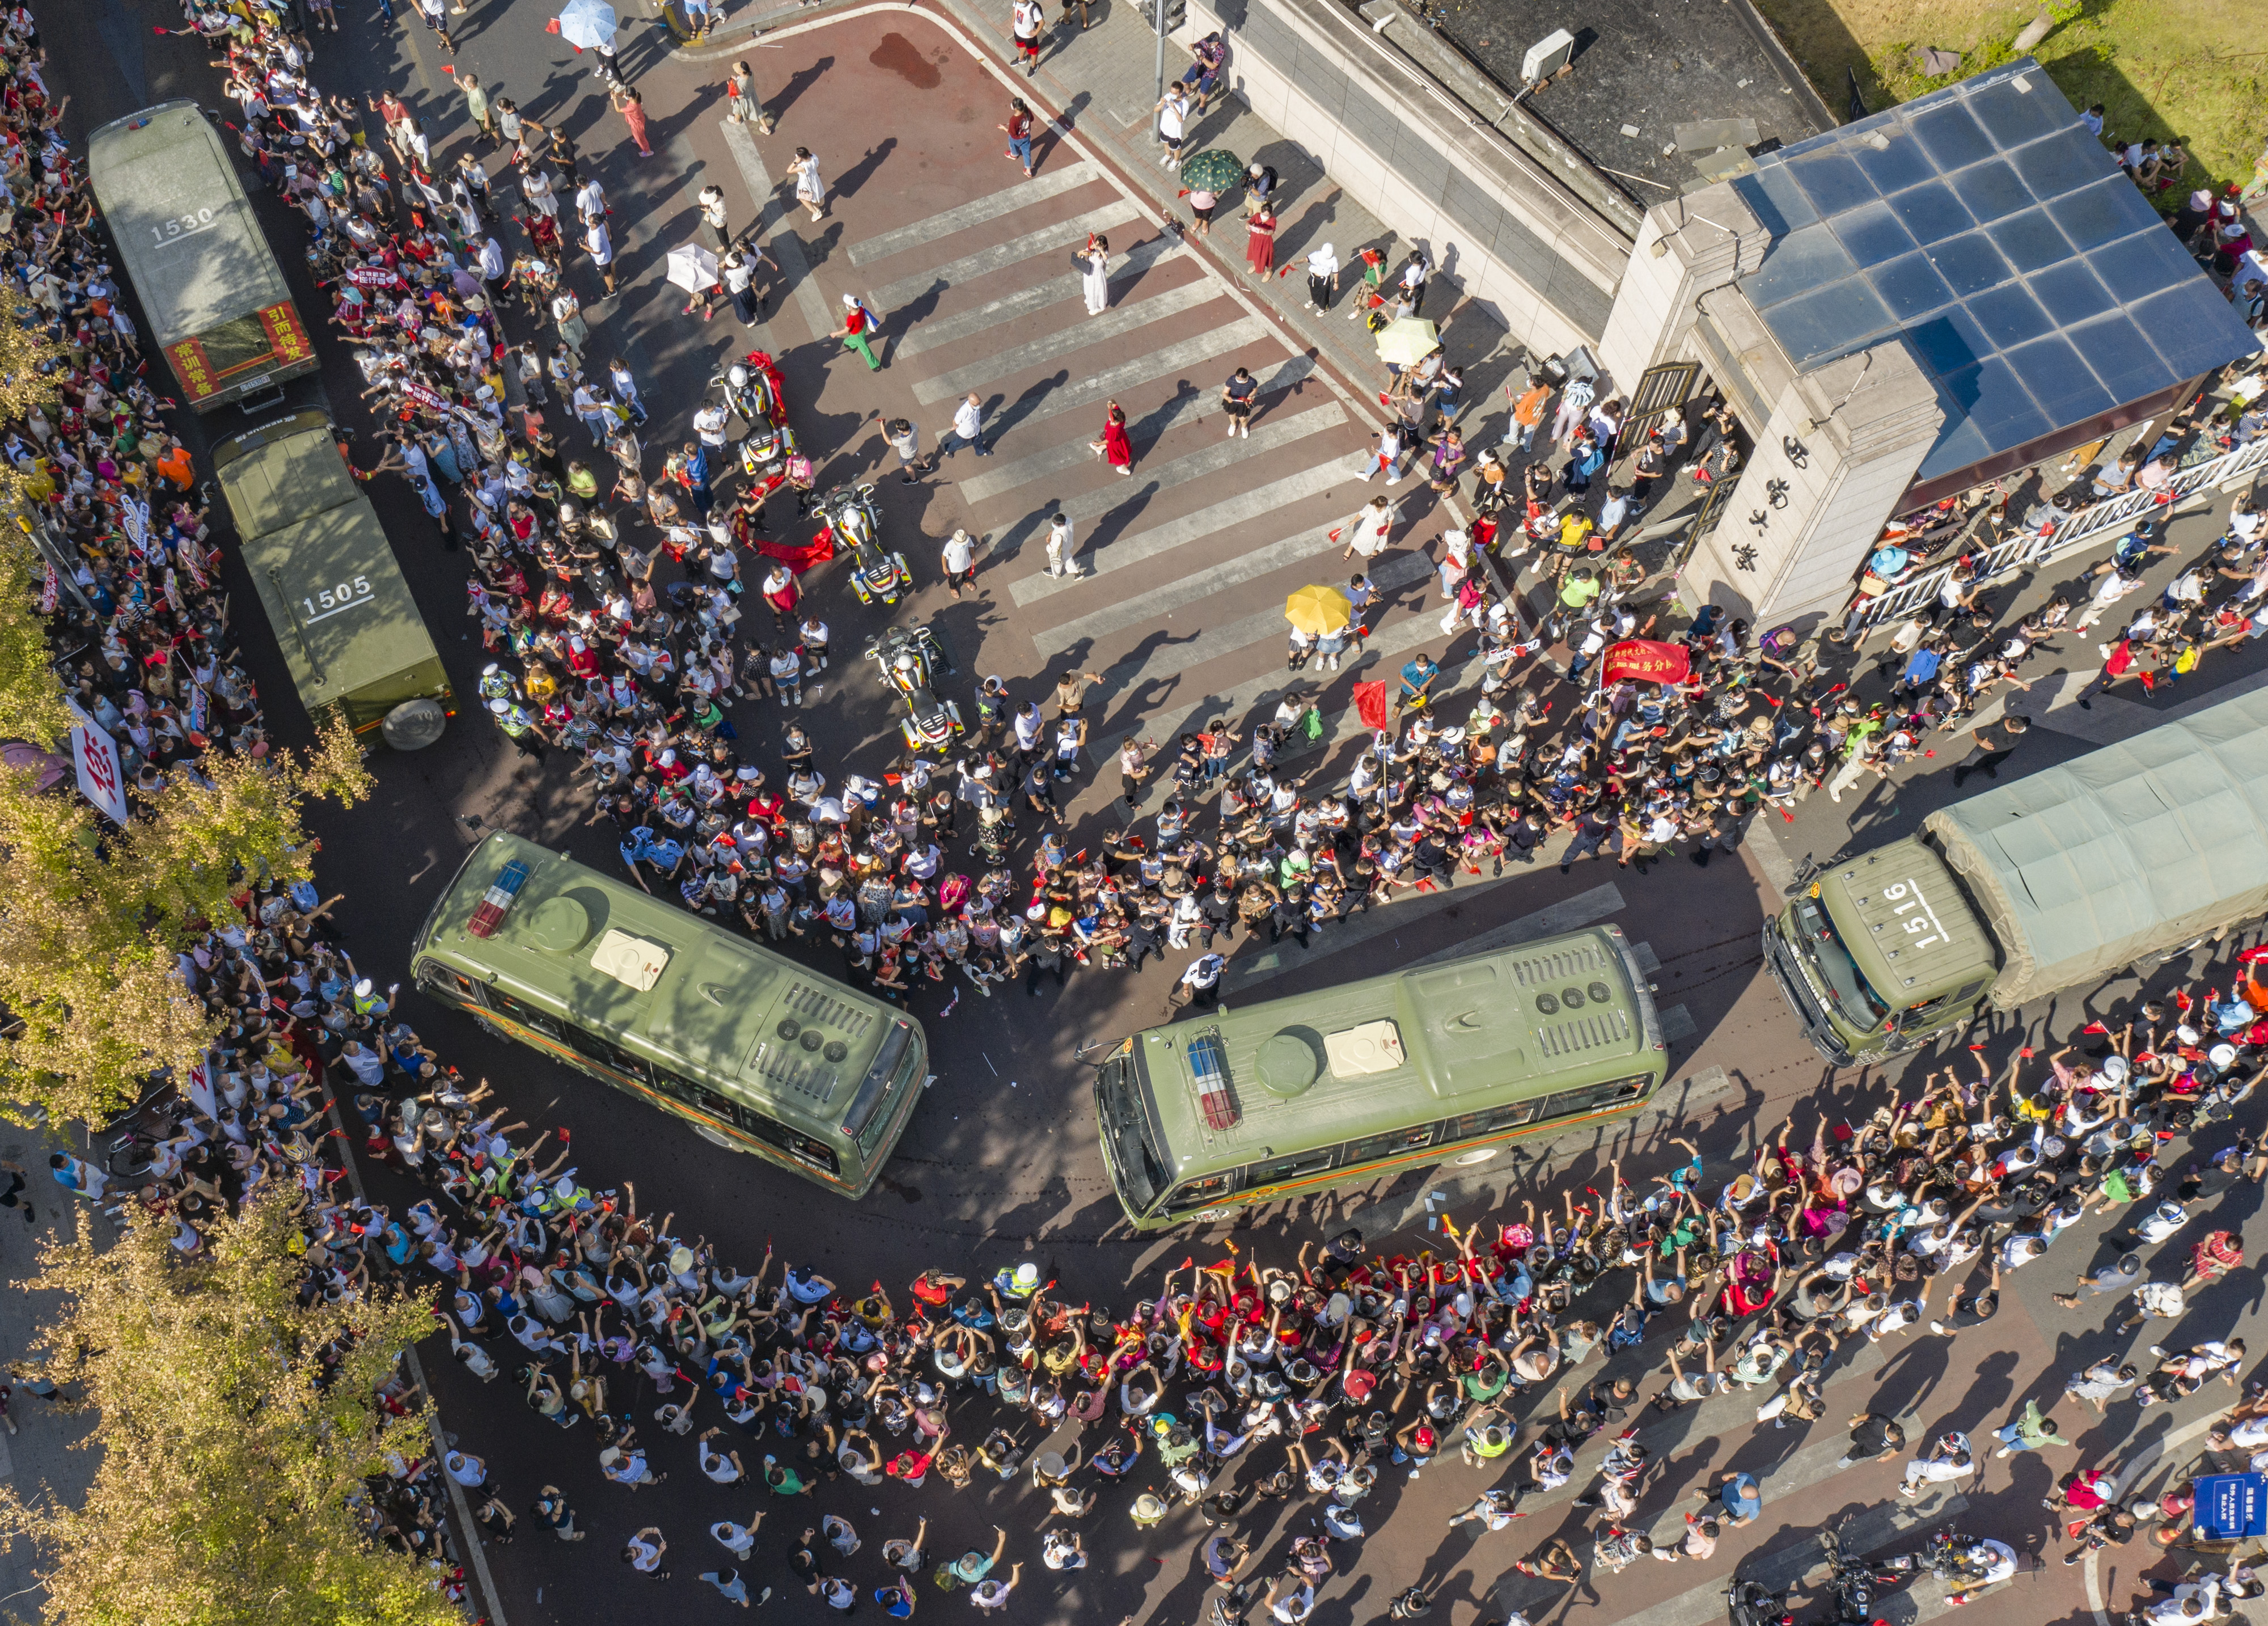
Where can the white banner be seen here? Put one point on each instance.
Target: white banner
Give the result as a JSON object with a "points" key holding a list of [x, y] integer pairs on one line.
{"points": [[101, 775], [200, 1082]]}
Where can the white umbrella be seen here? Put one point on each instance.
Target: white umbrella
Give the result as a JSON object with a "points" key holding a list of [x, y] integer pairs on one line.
{"points": [[589, 24], [693, 268]]}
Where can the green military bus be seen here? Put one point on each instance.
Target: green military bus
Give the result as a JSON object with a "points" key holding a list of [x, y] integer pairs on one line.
{"points": [[326, 577], [1444, 1064], [757, 1052]]}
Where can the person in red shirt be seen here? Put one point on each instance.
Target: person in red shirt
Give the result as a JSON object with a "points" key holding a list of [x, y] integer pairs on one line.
{"points": [[858, 326], [1019, 129]]}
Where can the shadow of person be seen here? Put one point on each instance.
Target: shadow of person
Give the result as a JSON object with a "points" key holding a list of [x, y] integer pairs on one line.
{"points": [[850, 180], [801, 80]]}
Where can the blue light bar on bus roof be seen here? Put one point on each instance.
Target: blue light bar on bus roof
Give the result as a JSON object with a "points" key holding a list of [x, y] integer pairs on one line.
{"points": [[1208, 1065], [498, 901]]}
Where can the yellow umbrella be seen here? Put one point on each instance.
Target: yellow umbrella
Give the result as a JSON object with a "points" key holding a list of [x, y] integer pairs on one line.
{"points": [[1409, 340], [1318, 609]]}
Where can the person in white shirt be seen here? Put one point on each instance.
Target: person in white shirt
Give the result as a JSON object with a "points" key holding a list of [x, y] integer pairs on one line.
{"points": [[1198, 985], [598, 243], [642, 1553], [958, 559], [722, 1468], [968, 430], [1063, 551]]}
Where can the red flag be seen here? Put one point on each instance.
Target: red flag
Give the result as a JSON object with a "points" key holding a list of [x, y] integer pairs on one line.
{"points": [[1647, 661], [1370, 705]]}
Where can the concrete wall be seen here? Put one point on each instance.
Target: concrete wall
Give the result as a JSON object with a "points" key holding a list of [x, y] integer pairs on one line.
{"points": [[1513, 237], [1830, 465], [1685, 249]]}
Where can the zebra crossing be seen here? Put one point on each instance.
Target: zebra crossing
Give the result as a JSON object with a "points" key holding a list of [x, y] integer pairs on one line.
{"points": [[1185, 564]]}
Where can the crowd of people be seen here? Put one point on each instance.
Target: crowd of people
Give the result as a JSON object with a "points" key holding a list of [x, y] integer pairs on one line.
{"points": [[131, 581], [618, 603], [1232, 1388], [1237, 1387]]}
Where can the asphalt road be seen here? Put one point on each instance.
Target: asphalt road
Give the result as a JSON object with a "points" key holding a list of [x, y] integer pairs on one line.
{"points": [[1192, 553]]}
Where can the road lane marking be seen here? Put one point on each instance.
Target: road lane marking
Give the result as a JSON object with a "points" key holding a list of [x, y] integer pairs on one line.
{"points": [[1053, 183], [1115, 323]]}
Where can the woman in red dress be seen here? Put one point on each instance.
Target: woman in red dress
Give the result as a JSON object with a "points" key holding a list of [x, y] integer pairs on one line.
{"points": [[1260, 245], [1114, 445]]}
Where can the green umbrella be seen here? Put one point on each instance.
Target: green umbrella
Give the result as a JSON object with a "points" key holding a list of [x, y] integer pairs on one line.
{"points": [[1216, 169]]}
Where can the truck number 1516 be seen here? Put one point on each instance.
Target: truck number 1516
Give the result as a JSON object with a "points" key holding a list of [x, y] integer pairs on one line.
{"points": [[1907, 894]]}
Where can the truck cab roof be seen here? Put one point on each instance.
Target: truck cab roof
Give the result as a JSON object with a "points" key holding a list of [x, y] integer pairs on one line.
{"points": [[1906, 923]]}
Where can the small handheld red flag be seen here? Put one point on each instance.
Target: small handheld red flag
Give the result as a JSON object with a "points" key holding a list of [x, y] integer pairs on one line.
{"points": [[1370, 705]]}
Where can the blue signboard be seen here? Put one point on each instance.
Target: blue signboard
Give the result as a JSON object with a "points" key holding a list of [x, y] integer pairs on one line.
{"points": [[2231, 1506]]}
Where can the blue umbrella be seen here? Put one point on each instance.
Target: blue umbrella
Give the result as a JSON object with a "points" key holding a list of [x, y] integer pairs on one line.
{"points": [[590, 24]]}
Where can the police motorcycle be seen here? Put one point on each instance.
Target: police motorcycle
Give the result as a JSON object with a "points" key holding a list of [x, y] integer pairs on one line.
{"points": [[1752, 1603], [765, 449], [752, 395], [849, 511], [1856, 1583], [748, 393], [911, 659]]}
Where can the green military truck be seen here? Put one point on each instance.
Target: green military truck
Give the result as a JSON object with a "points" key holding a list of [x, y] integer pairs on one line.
{"points": [[2061, 880], [326, 577], [217, 304]]}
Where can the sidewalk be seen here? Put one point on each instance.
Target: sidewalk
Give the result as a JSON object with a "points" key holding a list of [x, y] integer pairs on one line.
{"points": [[40, 1456]]}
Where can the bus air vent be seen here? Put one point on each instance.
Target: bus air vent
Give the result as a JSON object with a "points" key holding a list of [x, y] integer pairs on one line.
{"points": [[788, 1068], [818, 1008], [1586, 1032], [1537, 970]]}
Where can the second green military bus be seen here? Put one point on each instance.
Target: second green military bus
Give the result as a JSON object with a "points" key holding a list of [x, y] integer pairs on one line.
{"points": [[1443, 1064]]}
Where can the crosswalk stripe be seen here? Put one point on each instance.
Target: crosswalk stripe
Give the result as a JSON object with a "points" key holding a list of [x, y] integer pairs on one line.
{"points": [[935, 330], [1206, 521], [1583, 909], [1114, 323], [1178, 472], [1193, 589], [1224, 340], [891, 295], [1171, 657], [1053, 183], [771, 212], [1194, 405], [1396, 637]]}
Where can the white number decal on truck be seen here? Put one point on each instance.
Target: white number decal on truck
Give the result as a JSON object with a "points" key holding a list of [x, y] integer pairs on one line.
{"points": [[1915, 925], [183, 225], [333, 600]]}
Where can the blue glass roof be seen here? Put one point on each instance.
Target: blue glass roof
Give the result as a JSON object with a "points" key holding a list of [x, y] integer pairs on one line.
{"points": [[2032, 280]]}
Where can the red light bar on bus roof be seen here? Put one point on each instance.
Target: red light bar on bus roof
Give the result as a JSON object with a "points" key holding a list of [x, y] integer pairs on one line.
{"points": [[497, 902]]}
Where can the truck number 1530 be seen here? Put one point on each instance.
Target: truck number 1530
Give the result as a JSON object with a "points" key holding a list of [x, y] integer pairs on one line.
{"points": [[181, 226]]}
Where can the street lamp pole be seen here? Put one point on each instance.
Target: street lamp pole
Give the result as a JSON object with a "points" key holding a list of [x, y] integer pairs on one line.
{"points": [[1158, 16]]}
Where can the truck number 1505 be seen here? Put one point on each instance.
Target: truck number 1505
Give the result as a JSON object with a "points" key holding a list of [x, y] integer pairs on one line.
{"points": [[331, 600]]}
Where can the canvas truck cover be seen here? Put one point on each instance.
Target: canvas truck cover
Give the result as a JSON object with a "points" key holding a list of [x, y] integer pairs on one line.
{"points": [[2129, 850], [318, 558], [213, 296]]}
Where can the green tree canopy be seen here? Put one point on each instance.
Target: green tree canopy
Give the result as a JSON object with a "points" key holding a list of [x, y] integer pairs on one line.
{"points": [[232, 1451], [91, 927]]}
